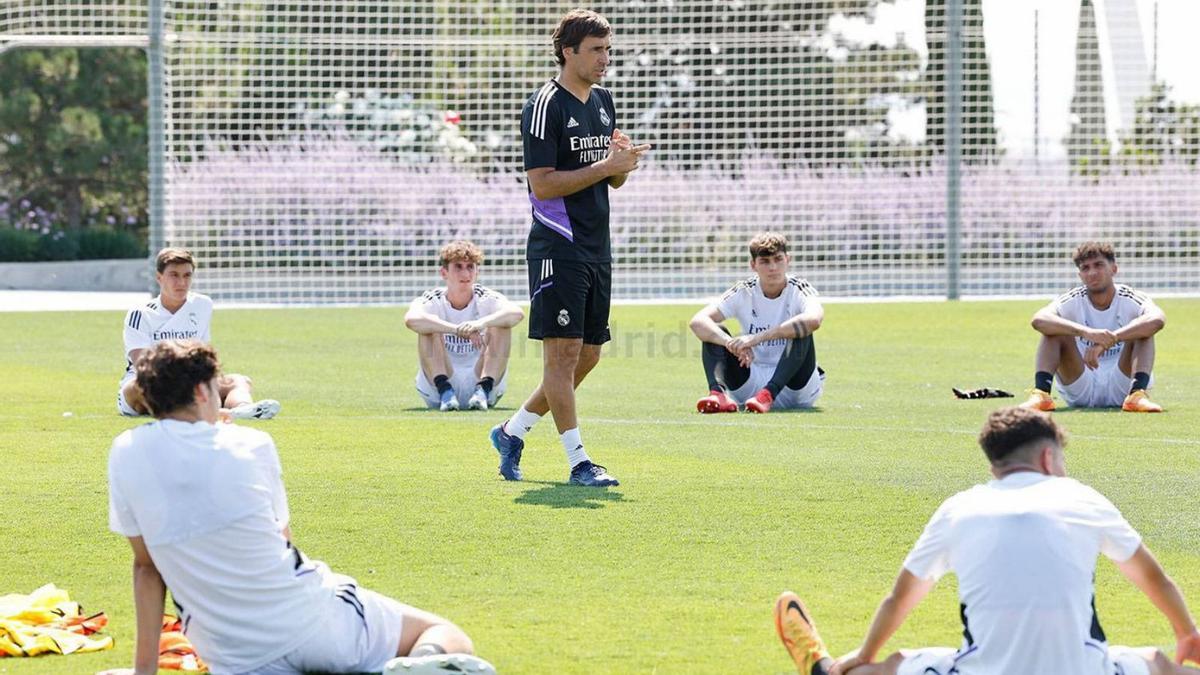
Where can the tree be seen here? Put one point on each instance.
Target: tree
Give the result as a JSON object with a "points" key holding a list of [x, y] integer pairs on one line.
{"points": [[978, 123], [1087, 142], [73, 131]]}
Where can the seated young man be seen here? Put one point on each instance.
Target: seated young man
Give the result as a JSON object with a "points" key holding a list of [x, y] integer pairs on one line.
{"points": [[774, 361], [464, 335], [179, 314], [205, 511], [1098, 339], [1024, 548]]}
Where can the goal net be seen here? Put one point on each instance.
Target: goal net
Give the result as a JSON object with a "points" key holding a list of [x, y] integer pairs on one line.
{"points": [[322, 152]]}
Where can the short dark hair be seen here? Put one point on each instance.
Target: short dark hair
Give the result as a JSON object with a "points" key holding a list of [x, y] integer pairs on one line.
{"points": [[767, 244], [1093, 249], [173, 256], [1008, 430], [169, 371], [574, 27]]}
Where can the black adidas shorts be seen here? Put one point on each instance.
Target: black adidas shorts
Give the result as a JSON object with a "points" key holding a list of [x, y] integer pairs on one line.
{"points": [[569, 299]]}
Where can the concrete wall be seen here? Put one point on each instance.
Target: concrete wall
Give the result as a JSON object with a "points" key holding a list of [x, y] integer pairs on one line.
{"points": [[80, 275]]}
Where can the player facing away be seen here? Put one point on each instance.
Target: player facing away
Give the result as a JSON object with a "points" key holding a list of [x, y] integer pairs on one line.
{"points": [[774, 362], [464, 335], [205, 511], [1098, 339], [574, 153], [1024, 548], [179, 314]]}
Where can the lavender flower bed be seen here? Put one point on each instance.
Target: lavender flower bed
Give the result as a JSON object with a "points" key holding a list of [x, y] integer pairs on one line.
{"points": [[298, 215]]}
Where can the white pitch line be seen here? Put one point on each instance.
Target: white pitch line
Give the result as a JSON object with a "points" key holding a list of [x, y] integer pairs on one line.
{"points": [[758, 423]]}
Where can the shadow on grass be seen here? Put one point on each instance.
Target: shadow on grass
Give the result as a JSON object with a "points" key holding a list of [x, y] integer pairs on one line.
{"points": [[567, 496]]}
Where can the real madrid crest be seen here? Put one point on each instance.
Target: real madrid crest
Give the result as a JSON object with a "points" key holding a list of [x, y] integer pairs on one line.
{"points": [[604, 116]]}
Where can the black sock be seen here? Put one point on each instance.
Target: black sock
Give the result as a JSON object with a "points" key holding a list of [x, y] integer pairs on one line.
{"points": [[823, 666], [486, 383], [426, 649], [795, 367], [1043, 380], [1140, 381], [442, 383]]}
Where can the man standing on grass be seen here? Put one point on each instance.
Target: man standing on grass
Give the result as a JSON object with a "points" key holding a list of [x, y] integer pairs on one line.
{"points": [[179, 314], [774, 361], [1024, 548], [573, 153], [1098, 339], [464, 335], [205, 511]]}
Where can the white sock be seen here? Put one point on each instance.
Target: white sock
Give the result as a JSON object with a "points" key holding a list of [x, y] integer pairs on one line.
{"points": [[573, 444], [520, 423]]}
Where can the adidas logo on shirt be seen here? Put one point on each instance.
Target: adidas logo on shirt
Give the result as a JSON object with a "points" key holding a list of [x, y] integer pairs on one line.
{"points": [[571, 123]]}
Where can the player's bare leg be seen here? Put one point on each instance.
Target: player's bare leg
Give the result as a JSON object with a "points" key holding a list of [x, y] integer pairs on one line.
{"points": [[133, 396], [490, 366], [584, 360], [237, 399], [1137, 362], [1055, 354], [435, 365], [429, 643]]}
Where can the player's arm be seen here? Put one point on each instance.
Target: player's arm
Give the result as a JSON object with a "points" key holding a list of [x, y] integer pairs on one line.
{"points": [[1150, 322], [507, 315], [619, 139], [1048, 322], [1145, 572], [799, 326], [550, 183], [906, 594], [420, 321], [149, 593], [706, 325]]}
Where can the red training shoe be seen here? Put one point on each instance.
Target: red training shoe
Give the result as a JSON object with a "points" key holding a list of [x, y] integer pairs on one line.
{"points": [[716, 402], [761, 402]]}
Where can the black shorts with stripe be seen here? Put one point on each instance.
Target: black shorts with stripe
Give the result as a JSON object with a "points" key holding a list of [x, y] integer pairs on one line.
{"points": [[569, 299]]}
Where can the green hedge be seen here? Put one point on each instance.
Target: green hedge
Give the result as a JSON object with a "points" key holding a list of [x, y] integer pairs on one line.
{"points": [[88, 244]]}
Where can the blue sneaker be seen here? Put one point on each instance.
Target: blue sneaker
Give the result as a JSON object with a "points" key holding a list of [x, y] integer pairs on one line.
{"points": [[591, 475], [449, 401], [509, 448]]}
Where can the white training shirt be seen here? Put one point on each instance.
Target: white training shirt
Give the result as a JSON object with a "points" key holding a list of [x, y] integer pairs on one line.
{"points": [[1126, 306], [1024, 550], [149, 324], [484, 301], [208, 501], [757, 313]]}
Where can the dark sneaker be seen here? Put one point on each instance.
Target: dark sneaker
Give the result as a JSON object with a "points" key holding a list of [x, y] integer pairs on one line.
{"points": [[591, 475], [509, 448]]}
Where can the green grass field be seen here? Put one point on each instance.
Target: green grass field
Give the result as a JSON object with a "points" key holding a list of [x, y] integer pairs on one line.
{"points": [[676, 570]]}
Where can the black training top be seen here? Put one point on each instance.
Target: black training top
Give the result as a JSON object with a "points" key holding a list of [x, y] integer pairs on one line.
{"points": [[561, 132]]}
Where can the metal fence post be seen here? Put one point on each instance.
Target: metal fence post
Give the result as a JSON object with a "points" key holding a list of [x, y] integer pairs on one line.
{"points": [[953, 94], [156, 112]]}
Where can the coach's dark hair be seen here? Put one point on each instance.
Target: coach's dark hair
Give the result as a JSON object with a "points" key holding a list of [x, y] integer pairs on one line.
{"points": [[172, 256], [1010, 429], [767, 244], [169, 371], [1094, 249], [574, 27]]}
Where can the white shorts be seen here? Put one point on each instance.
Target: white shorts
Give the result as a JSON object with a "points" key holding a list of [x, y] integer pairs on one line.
{"points": [[123, 405], [361, 633], [942, 661], [1104, 387], [805, 397], [463, 381]]}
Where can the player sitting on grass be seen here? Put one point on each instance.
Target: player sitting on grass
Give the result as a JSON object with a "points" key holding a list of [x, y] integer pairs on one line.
{"points": [[205, 511], [1098, 339], [1024, 549], [464, 335], [178, 314], [774, 361]]}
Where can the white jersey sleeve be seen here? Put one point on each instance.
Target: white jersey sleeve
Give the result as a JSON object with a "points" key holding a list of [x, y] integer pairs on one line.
{"points": [[273, 477], [488, 301], [929, 558], [138, 330], [120, 515], [736, 302], [1118, 540]]}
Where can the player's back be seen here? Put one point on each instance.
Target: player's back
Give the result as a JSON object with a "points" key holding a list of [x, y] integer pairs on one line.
{"points": [[209, 504], [1024, 550]]}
